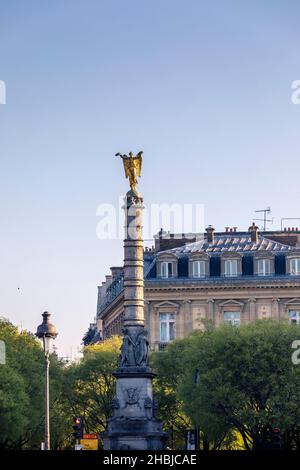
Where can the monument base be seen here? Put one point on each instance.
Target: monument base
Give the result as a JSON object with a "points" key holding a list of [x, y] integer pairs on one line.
{"points": [[134, 424], [135, 434]]}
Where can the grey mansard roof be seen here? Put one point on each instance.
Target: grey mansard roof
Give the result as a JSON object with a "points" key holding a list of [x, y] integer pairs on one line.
{"points": [[232, 244]]}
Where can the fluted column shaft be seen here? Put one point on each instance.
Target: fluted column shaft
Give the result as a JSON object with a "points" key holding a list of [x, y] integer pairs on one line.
{"points": [[133, 265]]}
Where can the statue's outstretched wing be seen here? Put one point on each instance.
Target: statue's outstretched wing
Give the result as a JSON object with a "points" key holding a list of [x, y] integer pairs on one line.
{"points": [[126, 164], [138, 163]]}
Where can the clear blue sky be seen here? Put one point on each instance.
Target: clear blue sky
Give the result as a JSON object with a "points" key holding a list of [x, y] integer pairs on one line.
{"points": [[203, 87]]}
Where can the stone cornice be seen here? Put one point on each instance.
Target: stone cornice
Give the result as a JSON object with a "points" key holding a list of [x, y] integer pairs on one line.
{"points": [[222, 286]]}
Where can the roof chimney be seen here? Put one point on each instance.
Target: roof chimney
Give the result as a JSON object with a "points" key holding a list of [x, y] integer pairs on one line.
{"points": [[254, 233], [210, 234]]}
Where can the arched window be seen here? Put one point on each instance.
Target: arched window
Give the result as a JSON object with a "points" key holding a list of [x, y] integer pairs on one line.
{"points": [[166, 265], [231, 267], [199, 268], [166, 269], [264, 267]]}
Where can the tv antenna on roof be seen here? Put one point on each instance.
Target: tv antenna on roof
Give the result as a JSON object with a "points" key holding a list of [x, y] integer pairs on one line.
{"points": [[265, 220]]}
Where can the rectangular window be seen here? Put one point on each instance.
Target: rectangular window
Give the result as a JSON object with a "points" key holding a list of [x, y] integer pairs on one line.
{"points": [[232, 318], [166, 269], [231, 267], [263, 267], [294, 317], [295, 266], [198, 268], [167, 327]]}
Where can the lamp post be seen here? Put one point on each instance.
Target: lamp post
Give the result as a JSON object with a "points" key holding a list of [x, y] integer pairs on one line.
{"points": [[46, 332]]}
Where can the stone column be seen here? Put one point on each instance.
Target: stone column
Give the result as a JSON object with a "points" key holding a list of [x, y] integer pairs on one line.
{"points": [[133, 265], [211, 313], [134, 424], [252, 309], [275, 309], [188, 319]]}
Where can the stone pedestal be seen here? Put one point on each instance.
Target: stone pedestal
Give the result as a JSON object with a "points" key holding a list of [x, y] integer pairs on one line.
{"points": [[134, 424]]}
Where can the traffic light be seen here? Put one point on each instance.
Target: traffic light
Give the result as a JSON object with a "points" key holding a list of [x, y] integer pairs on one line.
{"points": [[192, 439], [78, 427], [276, 439]]}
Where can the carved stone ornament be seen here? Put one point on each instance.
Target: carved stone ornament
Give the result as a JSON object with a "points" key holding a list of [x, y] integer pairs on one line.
{"points": [[148, 402], [131, 396]]}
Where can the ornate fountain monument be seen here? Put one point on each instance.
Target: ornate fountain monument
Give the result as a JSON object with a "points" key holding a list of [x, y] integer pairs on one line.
{"points": [[134, 424]]}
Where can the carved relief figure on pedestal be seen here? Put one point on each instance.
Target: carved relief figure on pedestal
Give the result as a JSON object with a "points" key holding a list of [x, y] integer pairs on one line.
{"points": [[135, 349], [127, 350], [142, 350]]}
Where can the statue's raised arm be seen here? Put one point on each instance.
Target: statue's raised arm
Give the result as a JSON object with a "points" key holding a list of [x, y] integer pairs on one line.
{"points": [[133, 169]]}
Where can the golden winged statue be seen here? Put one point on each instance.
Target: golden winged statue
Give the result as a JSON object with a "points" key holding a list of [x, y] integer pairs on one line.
{"points": [[133, 168]]}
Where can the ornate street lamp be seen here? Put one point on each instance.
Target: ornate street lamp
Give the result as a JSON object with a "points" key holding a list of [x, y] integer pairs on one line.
{"points": [[46, 332]]}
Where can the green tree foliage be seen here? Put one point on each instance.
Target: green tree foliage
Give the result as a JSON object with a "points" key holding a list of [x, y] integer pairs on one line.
{"points": [[247, 382], [22, 389], [170, 370], [89, 387], [85, 389]]}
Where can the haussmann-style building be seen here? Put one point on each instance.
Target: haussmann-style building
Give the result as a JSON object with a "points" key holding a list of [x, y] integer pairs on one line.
{"points": [[227, 277]]}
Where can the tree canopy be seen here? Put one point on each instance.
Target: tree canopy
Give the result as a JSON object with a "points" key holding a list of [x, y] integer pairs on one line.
{"points": [[247, 381], [231, 383]]}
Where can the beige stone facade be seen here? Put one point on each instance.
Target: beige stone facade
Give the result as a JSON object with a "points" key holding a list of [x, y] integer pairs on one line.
{"points": [[180, 303], [194, 307]]}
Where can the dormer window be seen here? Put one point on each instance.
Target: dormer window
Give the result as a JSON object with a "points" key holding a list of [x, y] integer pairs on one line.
{"points": [[264, 267], [166, 269], [166, 265], [264, 264], [231, 267], [295, 266], [199, 268], [199, 264]]}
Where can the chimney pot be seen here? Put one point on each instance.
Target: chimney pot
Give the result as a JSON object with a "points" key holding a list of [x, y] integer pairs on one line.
{"points": [[210, 234], [254, 232]]}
